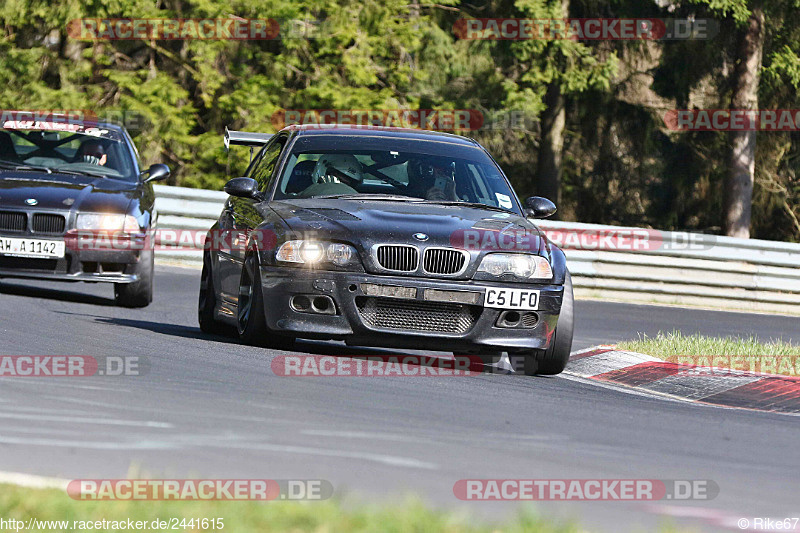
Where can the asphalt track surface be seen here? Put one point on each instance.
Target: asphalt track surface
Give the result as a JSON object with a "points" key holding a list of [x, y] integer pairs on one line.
{"points": [[211, 407]]}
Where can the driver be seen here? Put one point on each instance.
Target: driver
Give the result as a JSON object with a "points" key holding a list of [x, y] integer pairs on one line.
{"points": [[94, 153], [335, 174], [432, 179]]}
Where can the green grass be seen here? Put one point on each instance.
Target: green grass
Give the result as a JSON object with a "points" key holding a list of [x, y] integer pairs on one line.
{"points": [[243, 516], [772, 357]]}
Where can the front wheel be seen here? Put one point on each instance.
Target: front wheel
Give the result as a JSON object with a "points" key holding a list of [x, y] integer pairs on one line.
{"points": [[140, 292], [554, 359], [250, 319]]}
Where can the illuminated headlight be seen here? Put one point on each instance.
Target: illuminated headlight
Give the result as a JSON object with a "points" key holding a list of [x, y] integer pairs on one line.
{"points": [[311, 252], [101, 222], [525, 266]]}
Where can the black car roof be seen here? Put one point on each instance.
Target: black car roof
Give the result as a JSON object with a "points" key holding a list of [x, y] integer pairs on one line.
{"points": [[107, 125], [380, 131]]}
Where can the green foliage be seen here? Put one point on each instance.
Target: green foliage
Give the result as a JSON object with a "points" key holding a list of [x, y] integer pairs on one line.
{"points": [[738, 10], [24, 504], [784, 67]]}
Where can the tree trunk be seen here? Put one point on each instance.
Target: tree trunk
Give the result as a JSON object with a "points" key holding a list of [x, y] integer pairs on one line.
{"points": [[548, 165], [551, 146], [738, 194]]}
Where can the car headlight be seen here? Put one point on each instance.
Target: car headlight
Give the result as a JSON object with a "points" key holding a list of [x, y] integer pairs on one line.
{"points": [[104, 222], [526, 266], [314, 252], [340, 254]]}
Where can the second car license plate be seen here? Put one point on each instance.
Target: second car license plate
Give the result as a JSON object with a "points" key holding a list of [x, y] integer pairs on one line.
{"points": [[31, 247], [523, 299]]}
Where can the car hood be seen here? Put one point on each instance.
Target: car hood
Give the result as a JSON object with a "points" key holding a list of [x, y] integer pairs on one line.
{"points": [[369, 222], [60, 191]]}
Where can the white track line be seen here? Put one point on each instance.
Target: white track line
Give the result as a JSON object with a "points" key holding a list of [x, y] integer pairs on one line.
{"points": [[33, 481]]}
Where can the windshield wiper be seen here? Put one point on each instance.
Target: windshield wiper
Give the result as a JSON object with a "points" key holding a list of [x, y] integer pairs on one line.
{"points": [[371, 196], [476, 205], [98, 173], [11, 165]]}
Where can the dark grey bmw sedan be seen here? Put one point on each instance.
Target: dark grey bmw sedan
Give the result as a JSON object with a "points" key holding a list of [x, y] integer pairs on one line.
{"points": [[386, 237], [75, 206]]}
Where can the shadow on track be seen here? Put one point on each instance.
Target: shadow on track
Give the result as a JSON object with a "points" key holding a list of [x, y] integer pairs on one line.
{"points": [[421, 358], [173, 330], [55, 294], [305, 347]]}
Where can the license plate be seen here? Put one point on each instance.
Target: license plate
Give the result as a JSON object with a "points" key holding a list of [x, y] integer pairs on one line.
{"points": [[31, 247], [511, 299]]}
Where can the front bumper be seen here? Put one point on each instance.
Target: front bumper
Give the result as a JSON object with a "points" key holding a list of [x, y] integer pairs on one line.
{"points": [[349, 323], [91, 265]]}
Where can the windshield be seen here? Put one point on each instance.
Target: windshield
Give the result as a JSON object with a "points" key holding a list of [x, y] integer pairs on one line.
{"points": [[390, 168], [91, 151]]}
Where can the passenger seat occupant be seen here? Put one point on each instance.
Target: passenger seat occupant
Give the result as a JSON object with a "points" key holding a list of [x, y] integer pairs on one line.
{"points": [[7, 150], [335, 174], [300, 178]]}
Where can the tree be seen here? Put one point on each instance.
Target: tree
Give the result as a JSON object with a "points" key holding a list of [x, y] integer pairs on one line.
{"points": [[738, 193], [551, 144]]}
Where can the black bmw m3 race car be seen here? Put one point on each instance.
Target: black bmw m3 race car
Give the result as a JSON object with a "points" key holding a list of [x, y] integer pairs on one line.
{"points": [[385, 237], [75, 206]]}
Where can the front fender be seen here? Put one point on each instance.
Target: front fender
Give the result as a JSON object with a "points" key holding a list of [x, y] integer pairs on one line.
{"points": [[558, 262]]}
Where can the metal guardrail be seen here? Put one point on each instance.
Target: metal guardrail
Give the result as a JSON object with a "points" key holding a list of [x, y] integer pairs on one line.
{"points": [[658, 267]]}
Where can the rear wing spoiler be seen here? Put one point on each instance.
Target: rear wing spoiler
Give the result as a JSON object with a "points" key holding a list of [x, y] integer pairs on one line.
{"points": [[245, 138]]}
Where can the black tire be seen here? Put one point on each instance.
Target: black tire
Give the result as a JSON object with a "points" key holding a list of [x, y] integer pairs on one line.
{"points": [[554, 359], [140, 292], [207, 301], [250, 319]]}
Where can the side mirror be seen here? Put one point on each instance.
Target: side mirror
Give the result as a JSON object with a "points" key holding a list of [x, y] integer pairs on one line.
{"points": [[538, 207], [157, 172], [243, 188]]}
